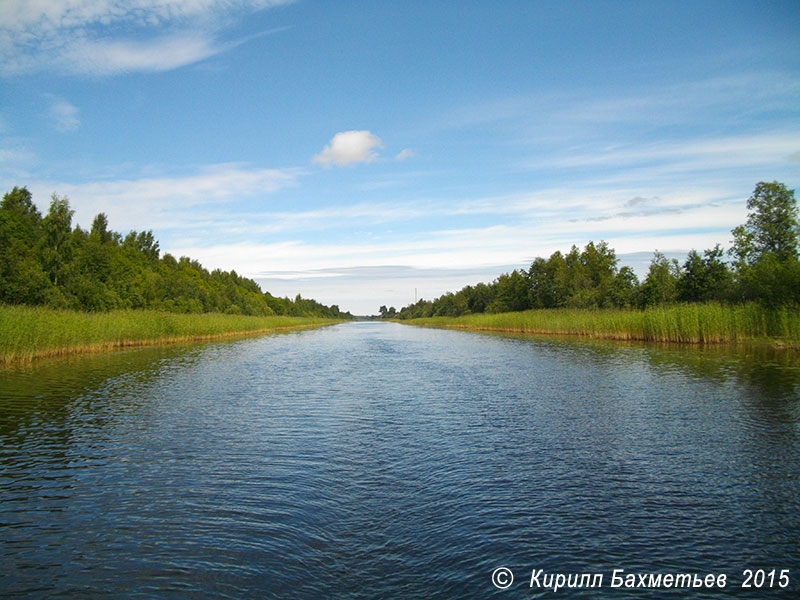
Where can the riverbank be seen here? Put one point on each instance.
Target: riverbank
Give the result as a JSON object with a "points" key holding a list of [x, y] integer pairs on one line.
{"points": [[27, 333], [686, 323]]}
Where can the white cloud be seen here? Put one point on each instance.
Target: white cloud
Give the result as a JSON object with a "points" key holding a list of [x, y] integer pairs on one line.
{"points": [[56, 14], [73, 36], [686, 156], [63, 115], [404, 154], [465, 248], [165, 202], [564, 120], [13, 155], [15, 162], [349, 148], [124, 56]]}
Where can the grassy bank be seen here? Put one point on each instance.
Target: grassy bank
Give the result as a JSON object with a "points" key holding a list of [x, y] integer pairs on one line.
{"points": [[685, 323], [32, 332]]}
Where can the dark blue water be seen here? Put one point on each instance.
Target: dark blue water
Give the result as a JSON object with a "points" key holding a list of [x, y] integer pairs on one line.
{"points": [[374, 460]]}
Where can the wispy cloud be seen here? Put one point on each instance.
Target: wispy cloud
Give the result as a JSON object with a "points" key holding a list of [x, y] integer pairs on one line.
{"points": [[15, 160], [560, 216], [74, 37], [574, 118], [169, 202], [103, 57], [686, 155], [532, 230], [49, 14], [349, 148], [404, 154], [476, 248], [63, 115], [635, 201], [13, 155]]}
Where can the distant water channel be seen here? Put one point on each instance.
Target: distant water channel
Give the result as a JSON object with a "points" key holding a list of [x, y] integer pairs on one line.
{"points": [[375, 460]]}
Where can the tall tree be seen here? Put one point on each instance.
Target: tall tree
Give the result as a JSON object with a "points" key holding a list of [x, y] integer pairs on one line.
{"points": [[771, 227], [511, 293], [22, 279], [705, 278], [100, 230], [624, 288], [766, 247], [600, 268], [661, 284], [19, 201], [57, 250]]}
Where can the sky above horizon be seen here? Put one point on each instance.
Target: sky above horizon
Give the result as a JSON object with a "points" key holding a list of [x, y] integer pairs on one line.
{"points": [[367, 153]]}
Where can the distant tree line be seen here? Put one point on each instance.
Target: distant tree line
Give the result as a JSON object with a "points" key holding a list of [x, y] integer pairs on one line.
{"points": [[761, 266], [45, 261]]}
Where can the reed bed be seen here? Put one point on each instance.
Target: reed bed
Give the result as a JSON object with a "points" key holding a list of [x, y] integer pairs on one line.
{"points": [[683, 323], [27, 333]]}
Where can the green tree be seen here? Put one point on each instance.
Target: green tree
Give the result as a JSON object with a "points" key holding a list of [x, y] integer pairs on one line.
{"points": [[511, 293], [581, 278], [45, 261], [478, 297], [661, 284], [771, 281], [624, 288], [540, 284], [694, 278], [771, 227], [22, 279], [57, 242], [705, 278], [549, 282], [145, 243], [599, 267], [100, 230], [766, 247], [19, 201]]}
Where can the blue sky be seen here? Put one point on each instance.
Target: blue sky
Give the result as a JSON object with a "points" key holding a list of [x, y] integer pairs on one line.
{"points": [[361, 152]]}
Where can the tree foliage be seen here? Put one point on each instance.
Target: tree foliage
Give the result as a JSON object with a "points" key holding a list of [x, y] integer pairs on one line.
{"points": [[44, 261], [771, 227], [766, 247]]}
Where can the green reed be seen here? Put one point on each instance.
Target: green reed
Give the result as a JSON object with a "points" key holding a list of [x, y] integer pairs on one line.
{"points": [[30, 332], [686, 323]]}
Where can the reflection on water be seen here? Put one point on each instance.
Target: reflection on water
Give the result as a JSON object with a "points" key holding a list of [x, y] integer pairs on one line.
{"points": [[378, 460]]}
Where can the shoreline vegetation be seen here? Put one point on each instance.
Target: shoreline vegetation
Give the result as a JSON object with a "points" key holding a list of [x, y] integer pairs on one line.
{"points": [[711, 323], [33, 332], [752, 296], [67, 290]]}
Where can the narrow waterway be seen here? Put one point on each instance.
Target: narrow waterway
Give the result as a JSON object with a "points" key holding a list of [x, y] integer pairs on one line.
{"points": [[375, 460]]}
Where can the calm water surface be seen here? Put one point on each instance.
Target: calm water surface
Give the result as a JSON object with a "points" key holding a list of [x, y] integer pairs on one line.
{"points": [[374, 460]]}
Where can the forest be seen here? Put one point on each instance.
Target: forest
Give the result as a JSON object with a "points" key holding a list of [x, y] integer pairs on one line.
{"points": [[44, 261], [761, 266]]}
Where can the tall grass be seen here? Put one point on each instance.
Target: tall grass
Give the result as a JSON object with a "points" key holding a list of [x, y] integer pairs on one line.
{"points": [[30, 332], [685, 323]]}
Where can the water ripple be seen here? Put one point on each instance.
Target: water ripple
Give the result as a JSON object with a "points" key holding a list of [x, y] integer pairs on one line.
{"points": [[374, 460]]}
